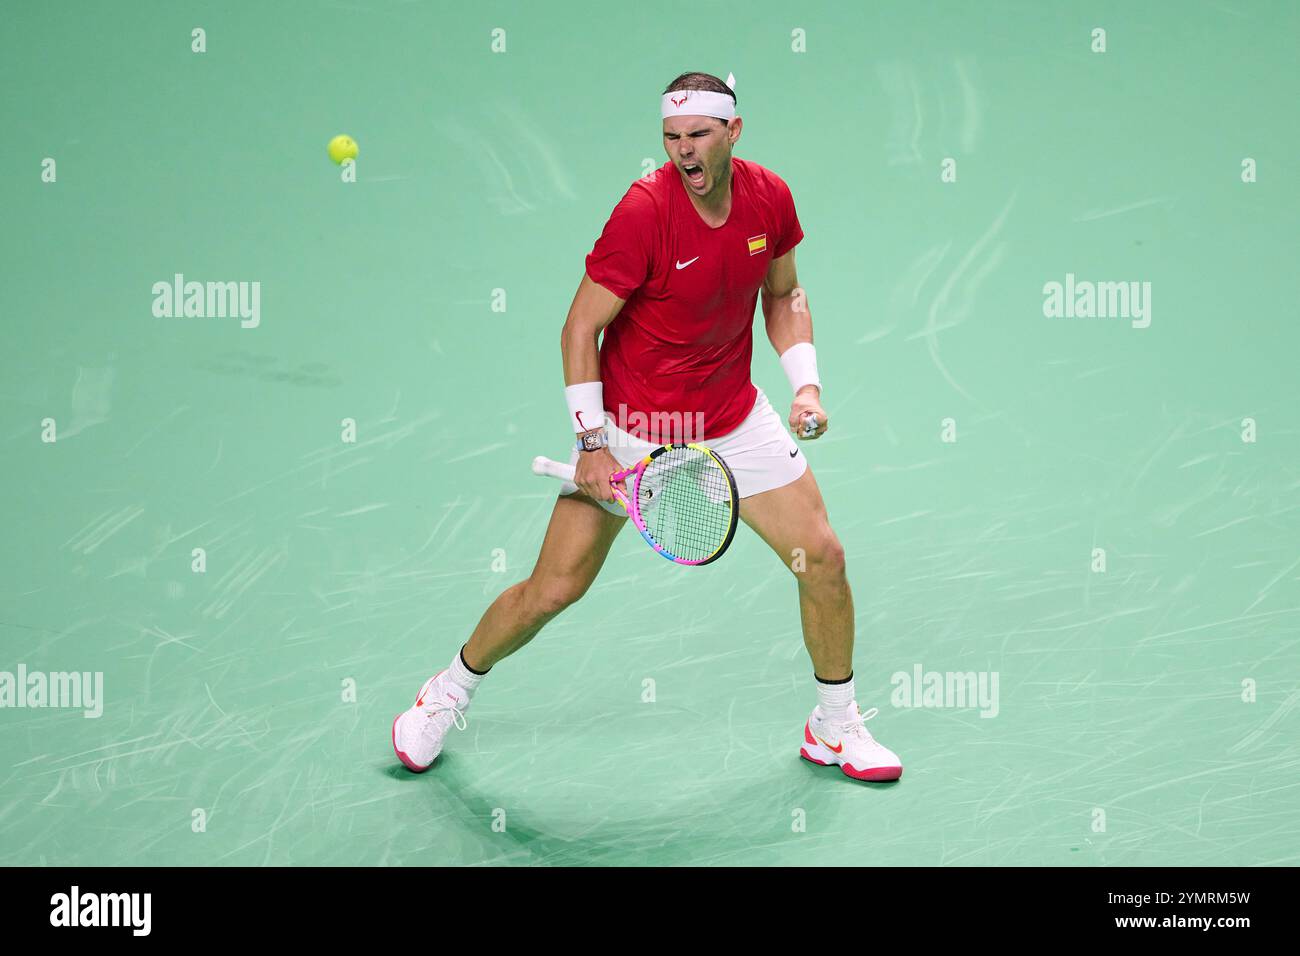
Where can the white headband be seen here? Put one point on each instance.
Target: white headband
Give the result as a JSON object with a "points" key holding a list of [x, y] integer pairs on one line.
{"points": [[700, 103]]}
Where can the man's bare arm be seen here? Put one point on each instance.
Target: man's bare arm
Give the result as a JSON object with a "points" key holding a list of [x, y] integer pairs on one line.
{"points": [[785, 309], [788, 322], [593, 308]]}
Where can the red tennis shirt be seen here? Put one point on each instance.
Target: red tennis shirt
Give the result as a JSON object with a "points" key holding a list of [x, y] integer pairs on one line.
{"points": [[682, 343]]}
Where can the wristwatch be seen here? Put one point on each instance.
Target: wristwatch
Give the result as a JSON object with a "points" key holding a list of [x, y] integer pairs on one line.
{"points": [[592, 440]]}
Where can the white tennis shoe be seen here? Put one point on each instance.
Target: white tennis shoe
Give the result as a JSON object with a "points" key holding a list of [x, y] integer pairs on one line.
{"points": [[418, 733], [846, 742]]}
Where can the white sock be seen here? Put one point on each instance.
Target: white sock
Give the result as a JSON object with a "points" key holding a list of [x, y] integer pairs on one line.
{"points": [[463, 677], [835, 698]]}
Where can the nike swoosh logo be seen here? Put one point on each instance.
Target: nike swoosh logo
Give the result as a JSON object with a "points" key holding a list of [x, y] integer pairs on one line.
{"points": [[795, 452], [419, 701], [683, 265], [833, 750]]}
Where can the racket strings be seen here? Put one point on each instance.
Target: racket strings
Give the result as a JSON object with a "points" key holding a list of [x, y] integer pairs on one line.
{"points": [[685, 499]]}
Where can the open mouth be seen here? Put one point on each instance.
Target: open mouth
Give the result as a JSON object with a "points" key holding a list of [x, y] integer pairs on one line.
{"points": [[695, 173]]}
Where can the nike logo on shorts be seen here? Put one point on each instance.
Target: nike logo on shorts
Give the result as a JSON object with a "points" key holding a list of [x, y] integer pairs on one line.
{"points": [[795, 452]]}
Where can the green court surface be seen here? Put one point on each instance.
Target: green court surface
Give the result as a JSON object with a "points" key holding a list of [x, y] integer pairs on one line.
{"points": [[1146, 714]]}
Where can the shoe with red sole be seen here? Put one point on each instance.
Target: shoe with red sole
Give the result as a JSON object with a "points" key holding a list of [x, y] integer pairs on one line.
{"points": [[419, 732], [845, 742]]}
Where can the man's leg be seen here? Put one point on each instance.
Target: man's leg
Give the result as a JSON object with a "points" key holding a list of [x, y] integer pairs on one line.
{"points": [[577, 541], [794, 517]]}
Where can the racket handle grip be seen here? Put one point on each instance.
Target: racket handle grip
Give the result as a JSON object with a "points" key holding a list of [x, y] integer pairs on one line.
{"points": [[553, 469]]}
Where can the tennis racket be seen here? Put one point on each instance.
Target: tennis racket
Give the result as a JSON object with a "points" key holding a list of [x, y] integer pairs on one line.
{"points": [[682, 499]]}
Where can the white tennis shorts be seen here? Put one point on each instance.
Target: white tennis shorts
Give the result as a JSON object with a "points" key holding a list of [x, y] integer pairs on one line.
{"points": [[760, 451]]}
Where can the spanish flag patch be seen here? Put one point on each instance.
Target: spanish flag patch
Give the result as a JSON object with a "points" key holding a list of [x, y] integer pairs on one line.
{"points": [[757, 244]]}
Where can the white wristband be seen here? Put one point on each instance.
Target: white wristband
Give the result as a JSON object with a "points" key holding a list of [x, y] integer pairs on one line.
{"points": [[586, 406], [800, 364]]}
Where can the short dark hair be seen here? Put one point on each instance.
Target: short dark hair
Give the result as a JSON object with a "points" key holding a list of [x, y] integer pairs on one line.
{"points": [[701, 81]]}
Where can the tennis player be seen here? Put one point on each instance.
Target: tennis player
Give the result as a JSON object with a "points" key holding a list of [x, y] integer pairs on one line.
{"points": [[672, 283]]}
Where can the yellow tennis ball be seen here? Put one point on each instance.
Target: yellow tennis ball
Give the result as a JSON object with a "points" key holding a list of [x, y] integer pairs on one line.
{"points": [[342, 147]]}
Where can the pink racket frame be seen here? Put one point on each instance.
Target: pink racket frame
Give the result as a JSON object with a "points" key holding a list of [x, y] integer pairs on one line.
{"points": [[634, 510]]}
